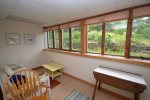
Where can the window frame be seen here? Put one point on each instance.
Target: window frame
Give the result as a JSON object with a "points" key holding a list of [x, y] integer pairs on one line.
{"points": [[142, 58], [125, 37], [68, 40], [48, 39], [83, 26], [72, 39], [58, 39], [100, 51]]}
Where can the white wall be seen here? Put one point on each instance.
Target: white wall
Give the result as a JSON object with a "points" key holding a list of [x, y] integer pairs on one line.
{"points": [[83, 68], [27, 54]]}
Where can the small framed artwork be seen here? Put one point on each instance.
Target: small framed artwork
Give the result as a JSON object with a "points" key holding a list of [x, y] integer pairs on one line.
{"points": [[29, 39], [13, 38]]}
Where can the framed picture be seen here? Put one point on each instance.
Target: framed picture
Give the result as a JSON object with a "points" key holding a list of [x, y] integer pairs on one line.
{"points": [[29, 39], [13, 38]]}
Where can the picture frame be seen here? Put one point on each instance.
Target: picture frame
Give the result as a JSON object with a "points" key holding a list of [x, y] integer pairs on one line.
{"points": [[13, 38], [29, 39]]}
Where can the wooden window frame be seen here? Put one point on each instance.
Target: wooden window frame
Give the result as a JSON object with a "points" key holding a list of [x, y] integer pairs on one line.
{"points": [[101, 41], [129, 56], [83, 27], [54, 39], [71, 39], [62, 39], [48, 40], [125, 39]]}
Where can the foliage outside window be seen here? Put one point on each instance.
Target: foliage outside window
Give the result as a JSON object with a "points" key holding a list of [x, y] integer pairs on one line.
{"points": [[115, 37], [140, 38], [94, 38], [50, 39], [65, 39], [76, 38], [56, 38]]}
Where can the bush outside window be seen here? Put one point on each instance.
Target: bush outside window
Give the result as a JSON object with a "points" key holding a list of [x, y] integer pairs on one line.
{"points": [[65, 39], [76, 38], [115, 37], [56, 38], [50, 39], [94, 33], [140, 38]]}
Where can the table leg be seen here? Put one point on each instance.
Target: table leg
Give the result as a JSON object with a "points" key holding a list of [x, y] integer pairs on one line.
{"points": [[99, 85], [95, 90], [136, 96], [52, 75]]}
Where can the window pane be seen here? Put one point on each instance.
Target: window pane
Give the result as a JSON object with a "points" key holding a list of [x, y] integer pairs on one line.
{"points": [[94, 38], [56, 36], [50, 39], [76, 38], [65, 38], [140, 39], [115, 37]]}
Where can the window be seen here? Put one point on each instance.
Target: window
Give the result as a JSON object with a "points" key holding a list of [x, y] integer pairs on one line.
{"points": [[115, 37], [56, 38], [94, 38], [50, 39], [140, 38], [76, 38], [65, 39]]}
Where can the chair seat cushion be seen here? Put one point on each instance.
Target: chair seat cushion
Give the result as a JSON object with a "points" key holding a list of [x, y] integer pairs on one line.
{"points": [[18, 77]]}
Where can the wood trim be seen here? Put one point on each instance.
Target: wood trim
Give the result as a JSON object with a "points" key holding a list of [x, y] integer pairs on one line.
{"points": [[128, 34], [70, 40], [83, 37], [102, 89], [103, 38], [60, 39], [53, 39], [134, 61], [134, 7], [47, 40]]}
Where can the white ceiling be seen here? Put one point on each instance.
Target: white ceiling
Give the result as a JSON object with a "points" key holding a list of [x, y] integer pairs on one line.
{"points": [[50, 12]]}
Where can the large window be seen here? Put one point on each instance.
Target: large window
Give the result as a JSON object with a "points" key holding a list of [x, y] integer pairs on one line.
{"points": [[94, 38], [50, 39], [121, 33], [56, 38], [115, 37], [140, 38], [76, 38], [65, 39]]}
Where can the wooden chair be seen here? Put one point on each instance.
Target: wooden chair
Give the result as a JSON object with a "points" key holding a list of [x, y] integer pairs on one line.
{"points": [[24, 85]]}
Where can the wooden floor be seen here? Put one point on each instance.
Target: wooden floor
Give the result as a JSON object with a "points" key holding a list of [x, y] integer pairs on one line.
{"points": [[68, 84]]}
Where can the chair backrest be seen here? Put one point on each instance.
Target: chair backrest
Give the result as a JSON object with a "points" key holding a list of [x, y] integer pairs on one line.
{"points": [[22, 85]]}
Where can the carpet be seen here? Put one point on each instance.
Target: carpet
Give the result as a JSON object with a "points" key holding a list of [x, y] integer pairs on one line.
{"points": [[53, 83], [77, 95]]}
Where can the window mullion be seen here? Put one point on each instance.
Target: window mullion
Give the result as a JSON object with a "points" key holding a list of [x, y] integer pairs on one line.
{"points": [[53, 39], [70, 40], [60, 39], [103, 38], [47, 39], [128, 35], [83, 37]]}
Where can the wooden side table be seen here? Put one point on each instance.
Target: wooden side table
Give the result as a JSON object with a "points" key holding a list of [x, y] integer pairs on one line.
{"points": [[54, 69], [119, 79]]}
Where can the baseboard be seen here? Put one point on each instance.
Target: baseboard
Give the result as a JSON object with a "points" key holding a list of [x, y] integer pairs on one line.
{"points": [[102, 89], [36, 67]]}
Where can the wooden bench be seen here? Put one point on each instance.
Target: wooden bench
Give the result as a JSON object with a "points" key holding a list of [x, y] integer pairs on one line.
{"points": [[119, 79]]}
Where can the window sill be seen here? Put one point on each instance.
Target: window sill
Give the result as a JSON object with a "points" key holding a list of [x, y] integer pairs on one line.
{"points": [[106, 57]]}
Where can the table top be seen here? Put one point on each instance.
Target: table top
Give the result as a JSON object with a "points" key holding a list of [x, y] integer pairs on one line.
{"points": [[121, 75], [53, 66]]}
